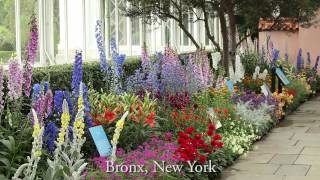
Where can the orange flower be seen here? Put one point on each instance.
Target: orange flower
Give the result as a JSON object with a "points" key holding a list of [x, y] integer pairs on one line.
{"points": [[150, 119]]}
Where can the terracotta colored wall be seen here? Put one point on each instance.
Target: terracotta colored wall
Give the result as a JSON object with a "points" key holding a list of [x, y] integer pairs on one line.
{"points": [[283, 41], [308, 39]]}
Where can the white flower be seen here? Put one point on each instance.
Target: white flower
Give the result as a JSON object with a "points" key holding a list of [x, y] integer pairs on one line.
{"points": [[256, 73]]}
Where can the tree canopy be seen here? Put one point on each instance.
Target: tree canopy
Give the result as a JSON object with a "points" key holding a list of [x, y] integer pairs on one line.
{"points": [[243, 15]]}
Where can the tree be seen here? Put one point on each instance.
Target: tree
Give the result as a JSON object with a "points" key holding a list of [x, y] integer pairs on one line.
{"points": [[228, 11]]}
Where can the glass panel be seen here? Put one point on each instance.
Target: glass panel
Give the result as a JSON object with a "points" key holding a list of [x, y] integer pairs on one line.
{"points": [[7, 30], [56, 26], [123, 30], [112, 19], [122, 25], [135, 31]]}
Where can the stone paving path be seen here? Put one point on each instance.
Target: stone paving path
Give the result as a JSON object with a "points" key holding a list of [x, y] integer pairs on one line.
{"points": [[291, 151]]}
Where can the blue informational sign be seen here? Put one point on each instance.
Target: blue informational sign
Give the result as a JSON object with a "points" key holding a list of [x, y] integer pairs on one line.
{"points": [[230, 86], [282, 77], [101, 140]]}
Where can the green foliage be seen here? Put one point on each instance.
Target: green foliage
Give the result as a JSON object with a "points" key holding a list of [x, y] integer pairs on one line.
{"points": [[136, 129], [60, 76], [14, 147]]}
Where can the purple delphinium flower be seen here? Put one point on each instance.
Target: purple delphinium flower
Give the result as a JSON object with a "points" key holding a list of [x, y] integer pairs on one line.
{"points": [[40, 107], [77, 74], [46, 86], [286, 56], [87, 116], [198, 72], [299, 60], [101, 47], [173, 74], [58, 100], [275, 56], [1, 88], [50, 135], [36, 92], [31, 53], [315, 67], [14, 80], [48, 103], [118, 60]]}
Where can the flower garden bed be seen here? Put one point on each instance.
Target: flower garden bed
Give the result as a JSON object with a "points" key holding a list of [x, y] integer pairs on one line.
{"points": [[171, 118]]}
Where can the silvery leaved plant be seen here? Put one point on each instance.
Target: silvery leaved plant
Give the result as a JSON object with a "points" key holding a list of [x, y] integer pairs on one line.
{"points": [[67, 160], [29, 169], [259, 116]]}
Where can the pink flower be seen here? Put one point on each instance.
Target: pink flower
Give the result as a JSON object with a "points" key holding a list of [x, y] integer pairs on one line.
{"points": [[30, 56], [14, 80]]}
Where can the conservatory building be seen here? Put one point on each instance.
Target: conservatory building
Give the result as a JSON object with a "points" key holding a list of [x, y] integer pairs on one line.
{"points": [[68, 25]]}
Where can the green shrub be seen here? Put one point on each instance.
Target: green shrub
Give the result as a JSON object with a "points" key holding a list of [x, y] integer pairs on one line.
{"points": [[60, 76]]}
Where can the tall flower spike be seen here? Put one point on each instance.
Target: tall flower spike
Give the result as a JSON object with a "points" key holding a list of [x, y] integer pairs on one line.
{"points": [[36, 92], [118, 60], [299, 60], [78, 126], [77, 74], [65, 119], [29, 169], [116, 135], [31, 54], [14, 80], [101, 47]]}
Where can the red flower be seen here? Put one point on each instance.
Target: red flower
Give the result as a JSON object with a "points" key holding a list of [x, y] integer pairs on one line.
{"points": [[217, 137], [96, 123], [202, 159], [226, 111], [150, 119], [109, 115], [181, 141], [197, 136], [210, 133], [183, 135], [190, 130], [217, 144], [211, 127]]}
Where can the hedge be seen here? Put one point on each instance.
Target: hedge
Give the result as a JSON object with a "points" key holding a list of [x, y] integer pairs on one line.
{"points": [[60, 76]]}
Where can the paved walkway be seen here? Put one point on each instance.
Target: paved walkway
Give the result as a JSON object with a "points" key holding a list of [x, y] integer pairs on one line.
{"points": [[291, 151]]}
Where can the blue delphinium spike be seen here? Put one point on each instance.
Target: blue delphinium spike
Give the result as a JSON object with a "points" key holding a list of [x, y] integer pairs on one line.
{"points": [[299, 60]]}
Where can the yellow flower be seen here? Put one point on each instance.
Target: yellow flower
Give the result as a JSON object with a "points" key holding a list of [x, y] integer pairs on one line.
{"points": [[36, 130], [78, 126], [65, 119], [116, 135], [37, 153]]}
